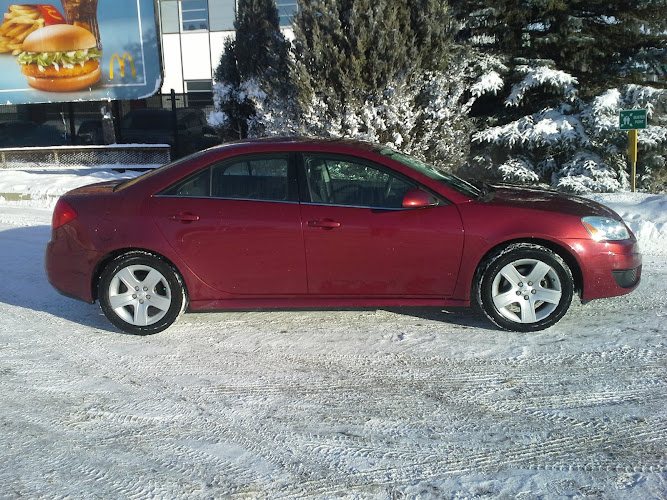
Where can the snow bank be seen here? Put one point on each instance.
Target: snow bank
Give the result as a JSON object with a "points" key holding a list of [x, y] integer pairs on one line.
{"points": [[41, 188], [645, 214]]}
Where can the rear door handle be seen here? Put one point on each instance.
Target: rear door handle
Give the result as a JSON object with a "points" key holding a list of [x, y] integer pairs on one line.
{"points": [[184, 217], [324, 223]]}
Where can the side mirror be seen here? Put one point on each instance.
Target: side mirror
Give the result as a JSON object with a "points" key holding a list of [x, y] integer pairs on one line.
{"points": [[417, 198]]}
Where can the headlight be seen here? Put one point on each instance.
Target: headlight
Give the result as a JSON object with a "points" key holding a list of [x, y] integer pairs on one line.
{"points": [[605, 229]]}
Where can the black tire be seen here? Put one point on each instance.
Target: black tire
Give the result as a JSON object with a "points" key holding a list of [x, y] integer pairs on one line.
{"points": [[524, 287], [141, 294]]}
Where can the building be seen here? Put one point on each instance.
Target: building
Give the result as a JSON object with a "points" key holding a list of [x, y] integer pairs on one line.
{"points": [[192, 33], [193, 36]]}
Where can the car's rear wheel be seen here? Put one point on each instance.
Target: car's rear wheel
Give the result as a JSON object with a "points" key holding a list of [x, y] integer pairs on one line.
{"points": [[525, 287], [141, 294]]}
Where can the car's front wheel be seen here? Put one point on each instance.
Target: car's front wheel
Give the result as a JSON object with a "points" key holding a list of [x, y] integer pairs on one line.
{"points": [[141, 294], [525, 287]]}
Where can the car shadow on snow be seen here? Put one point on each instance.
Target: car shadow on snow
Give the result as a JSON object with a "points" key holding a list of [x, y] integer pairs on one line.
{"points": [[465, 317], [25, 284], [455, 317]]}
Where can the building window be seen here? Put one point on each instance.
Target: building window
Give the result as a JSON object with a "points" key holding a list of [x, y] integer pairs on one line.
{"points": [[287, 9], [169, 16], [200, 92], [194, 15], [199, 85], [222, 14]]}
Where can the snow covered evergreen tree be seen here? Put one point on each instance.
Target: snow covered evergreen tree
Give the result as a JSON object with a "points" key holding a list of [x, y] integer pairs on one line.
{"points": [[600, 43], [253, 91], [378, 71], [544, 103], [543, 80]]}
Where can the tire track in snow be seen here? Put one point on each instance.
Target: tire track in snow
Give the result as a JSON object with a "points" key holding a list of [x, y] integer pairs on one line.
{"points": [[558, 450], [526, 457], [260, 422]]}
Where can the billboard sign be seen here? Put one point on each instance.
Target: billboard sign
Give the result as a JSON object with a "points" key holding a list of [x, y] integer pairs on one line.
{"points": [[78, 50]]}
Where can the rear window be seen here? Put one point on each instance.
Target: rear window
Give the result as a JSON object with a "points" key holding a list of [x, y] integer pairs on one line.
{"points": [[132, 182], [246, 178]]}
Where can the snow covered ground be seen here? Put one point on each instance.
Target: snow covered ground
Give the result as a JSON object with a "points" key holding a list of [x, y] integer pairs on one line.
{"points": [[381, 404]]}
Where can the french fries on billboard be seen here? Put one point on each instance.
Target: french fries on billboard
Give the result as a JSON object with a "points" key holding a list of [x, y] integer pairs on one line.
{"points": [[21, 20]]}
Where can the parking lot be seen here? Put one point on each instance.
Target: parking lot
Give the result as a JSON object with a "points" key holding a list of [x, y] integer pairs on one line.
{"points": [[287, 404]]}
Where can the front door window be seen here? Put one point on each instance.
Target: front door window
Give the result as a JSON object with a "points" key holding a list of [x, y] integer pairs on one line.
{"points": [[341, 181]]}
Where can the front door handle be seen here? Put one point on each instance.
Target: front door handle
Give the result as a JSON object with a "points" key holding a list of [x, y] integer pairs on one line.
{"points": [[184, 217], [324, 223]]}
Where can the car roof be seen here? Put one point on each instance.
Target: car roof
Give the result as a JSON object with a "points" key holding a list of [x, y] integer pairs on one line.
{"points": [[302, 141]]}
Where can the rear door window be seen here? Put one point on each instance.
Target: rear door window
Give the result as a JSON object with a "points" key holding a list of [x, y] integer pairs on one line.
{"points": [[264, 178]]}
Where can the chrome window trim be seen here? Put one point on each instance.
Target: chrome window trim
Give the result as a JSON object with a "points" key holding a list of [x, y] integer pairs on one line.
{"points": [[223, 198]]}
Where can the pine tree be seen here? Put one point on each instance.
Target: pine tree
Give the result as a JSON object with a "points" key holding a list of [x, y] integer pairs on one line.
{"points": [[372, 70], [253, 74], [232, 110], [553, 62], [601, 43]]}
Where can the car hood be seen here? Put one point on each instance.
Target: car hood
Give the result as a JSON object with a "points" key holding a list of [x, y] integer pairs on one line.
{"points": [[550, 201]]}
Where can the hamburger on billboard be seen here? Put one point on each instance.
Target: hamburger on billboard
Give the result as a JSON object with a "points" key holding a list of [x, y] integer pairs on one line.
{"points": [[78, 50]]}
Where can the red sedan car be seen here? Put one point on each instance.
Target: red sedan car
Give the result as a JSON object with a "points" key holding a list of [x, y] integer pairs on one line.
{"points": [[318, 223]]}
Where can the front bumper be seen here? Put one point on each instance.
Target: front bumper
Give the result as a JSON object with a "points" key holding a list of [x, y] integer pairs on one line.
{"points": [[628, 278], [608, 268]]}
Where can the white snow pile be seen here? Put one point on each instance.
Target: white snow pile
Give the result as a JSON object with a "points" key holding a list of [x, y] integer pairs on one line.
{"points": [[41, 188], [645, 214]]}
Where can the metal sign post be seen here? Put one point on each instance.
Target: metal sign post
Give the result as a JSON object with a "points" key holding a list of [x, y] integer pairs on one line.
{"points": [[632, 120], [632, 155]]}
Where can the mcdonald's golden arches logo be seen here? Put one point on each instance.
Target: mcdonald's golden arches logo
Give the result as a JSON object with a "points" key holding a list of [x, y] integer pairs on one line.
{"points": [[121, 65]]}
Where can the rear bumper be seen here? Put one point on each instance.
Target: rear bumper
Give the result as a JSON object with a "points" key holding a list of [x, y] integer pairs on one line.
{"points": [[609, 269], [69, 267]]}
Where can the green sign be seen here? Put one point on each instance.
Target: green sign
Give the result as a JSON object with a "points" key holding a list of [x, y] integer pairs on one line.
{"points": [[632, 119]]}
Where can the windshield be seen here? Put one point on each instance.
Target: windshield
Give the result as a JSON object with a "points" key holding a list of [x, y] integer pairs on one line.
{"points": [[450, 180]]}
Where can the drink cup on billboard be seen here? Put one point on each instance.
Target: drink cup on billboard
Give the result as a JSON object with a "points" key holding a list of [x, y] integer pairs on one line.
{"points": [[83, 13]]}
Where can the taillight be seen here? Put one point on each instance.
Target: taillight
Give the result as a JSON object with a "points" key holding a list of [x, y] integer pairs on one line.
{"points": [[62, 214]]}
